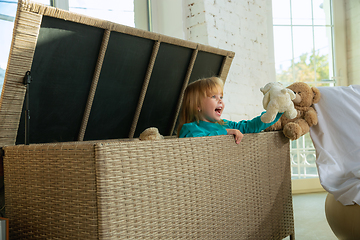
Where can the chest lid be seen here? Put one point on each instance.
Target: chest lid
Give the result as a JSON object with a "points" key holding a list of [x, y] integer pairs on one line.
{"points": [[93, 79]]}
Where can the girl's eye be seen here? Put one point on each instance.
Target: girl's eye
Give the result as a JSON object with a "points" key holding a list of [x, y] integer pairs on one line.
{"points": [[213, 96], [221, 97]]}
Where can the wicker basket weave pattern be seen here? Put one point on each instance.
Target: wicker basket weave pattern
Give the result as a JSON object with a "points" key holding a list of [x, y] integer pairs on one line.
{"points": [[51, 191], [204, 188]]}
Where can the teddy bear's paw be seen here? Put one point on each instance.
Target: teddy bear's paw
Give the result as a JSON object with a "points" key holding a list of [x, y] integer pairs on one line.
{"points": [[292, 131], [311, 119], [269, 129], [311, 122], [275, 127], [291, 114], [151, 133]]}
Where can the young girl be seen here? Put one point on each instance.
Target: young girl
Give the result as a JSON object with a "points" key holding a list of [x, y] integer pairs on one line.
{"points": [[202, 108]]}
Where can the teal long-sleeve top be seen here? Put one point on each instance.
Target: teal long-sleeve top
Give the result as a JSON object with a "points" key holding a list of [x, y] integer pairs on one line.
{"points": [[202, 128]]}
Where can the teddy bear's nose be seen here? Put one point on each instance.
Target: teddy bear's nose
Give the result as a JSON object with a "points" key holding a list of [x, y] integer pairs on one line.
{"points": [[297, 99]]}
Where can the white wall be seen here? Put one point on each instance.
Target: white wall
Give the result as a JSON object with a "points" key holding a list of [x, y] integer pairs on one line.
{"points": [[239, 26], [352, 10], [167, 17], [340, 55]]}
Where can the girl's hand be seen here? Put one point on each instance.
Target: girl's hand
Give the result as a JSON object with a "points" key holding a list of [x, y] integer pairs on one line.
{"points": [[237, 134]]}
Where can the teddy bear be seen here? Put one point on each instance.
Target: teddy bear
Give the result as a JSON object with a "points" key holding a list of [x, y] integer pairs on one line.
{"points": [[277, 99], [306, 117], [151, 133]]}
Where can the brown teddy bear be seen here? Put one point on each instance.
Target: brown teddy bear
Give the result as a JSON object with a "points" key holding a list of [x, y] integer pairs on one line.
{"points": [[151, 133], [306, 96]]}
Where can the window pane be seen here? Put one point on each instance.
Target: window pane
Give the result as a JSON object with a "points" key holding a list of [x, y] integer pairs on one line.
{"points": [[281, 12], [308, 141], [303, 49], [303, 163], [8, 9], [5, 43], [283, 54], [330, 83], [301, 12], [321, 11], [45, 2], [121, 12], [310, 159], [7, 16], [322, 37], [310, 169]]}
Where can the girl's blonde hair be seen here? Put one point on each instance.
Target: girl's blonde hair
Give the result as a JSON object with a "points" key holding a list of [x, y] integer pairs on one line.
{"points": [[194, 94]]}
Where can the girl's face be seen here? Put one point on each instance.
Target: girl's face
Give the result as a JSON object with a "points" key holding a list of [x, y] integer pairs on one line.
{"points": [[212, 107]]}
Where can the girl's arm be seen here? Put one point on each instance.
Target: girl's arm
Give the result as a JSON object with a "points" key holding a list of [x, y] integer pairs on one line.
{"points": [[254, 125], [192, 130]]}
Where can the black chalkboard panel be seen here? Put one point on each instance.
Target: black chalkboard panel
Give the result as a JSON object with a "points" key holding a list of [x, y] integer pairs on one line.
{"points": [[164, 88], [63, 68], [62, 71], [206, 65], [120, 83]]}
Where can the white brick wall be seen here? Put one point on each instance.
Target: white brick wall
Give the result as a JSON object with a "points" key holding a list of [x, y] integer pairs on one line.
{"points": [[240, 26], [353, 40]]}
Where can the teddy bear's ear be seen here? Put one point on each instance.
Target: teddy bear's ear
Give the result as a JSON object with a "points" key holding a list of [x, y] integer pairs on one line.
{"points": [[317, 94], [266, 88]]}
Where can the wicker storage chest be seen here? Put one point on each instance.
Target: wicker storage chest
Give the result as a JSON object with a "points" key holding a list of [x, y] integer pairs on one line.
{"points": [[167, 189], [95, 87]]}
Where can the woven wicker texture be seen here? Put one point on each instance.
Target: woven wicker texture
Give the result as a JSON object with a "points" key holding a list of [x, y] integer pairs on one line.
{"points": [[195, 188], [26, 30], [51, 192]]}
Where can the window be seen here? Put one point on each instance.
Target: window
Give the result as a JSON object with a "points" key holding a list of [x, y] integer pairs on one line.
{"points": [[7, 17], [303, 42], [121, 12]]}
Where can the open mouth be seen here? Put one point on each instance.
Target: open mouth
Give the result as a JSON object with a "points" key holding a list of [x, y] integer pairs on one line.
{"points": [[218, 111]]}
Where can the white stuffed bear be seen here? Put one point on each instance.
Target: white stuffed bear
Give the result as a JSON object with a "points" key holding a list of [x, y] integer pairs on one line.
{"points": [[277, 99]]}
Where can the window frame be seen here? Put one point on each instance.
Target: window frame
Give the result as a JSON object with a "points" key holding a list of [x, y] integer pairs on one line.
{"points": [[338, 45]]}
